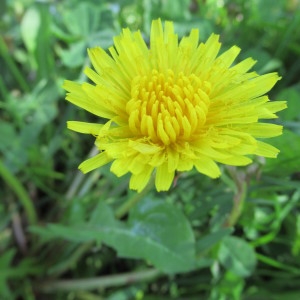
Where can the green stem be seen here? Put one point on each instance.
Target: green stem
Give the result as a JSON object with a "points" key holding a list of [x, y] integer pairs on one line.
{"points": [[19, 190], [79, 178], [13, 67], [277, 264], [124, 208], [239, 197], [100, 282]]}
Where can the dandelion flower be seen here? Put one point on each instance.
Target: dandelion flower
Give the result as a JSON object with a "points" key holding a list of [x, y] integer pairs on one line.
{"points": [[173, 106]]}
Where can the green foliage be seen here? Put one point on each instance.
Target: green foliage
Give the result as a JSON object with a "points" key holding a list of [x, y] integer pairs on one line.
{"points": [[64, 235], [156, 231]]}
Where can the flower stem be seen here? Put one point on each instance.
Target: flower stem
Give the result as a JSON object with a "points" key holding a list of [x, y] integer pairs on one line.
{"points": [[99, 282], [19, 190], [125, 207], [240, 180], [79, 178]]}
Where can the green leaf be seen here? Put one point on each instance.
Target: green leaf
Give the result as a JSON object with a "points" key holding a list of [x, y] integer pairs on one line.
{"points": [[169, 236], [156, 231], [288, 160], [237, 256], [7, 135], [163, 222], [292, 96], [83, 19]]}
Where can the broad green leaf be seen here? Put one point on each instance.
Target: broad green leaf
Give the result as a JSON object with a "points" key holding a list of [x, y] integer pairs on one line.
{"points": [[237, 256], [164, 223], [156, 231], [103, 214]]}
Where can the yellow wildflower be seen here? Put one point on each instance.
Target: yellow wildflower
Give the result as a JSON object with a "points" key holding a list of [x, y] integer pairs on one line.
{"points": [[173, 106]]}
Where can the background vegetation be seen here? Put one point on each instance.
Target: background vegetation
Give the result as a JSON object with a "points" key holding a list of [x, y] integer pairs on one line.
{"points": [[68, 236]]}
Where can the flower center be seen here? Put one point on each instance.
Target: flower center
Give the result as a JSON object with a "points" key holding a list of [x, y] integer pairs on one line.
{"points": [[166, 107]]}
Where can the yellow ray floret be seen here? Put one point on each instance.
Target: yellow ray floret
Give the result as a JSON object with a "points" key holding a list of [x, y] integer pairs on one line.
{"points": [[173, 106]]}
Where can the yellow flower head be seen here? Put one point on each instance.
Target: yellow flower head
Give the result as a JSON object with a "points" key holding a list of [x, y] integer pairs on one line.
{"points": [[173, 106]]}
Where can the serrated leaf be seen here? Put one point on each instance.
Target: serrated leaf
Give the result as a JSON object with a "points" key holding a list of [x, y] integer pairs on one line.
{"points": [[237, 256]]}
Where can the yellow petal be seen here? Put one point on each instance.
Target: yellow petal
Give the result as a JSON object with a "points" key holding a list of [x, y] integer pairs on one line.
{"points": [[185, 165], [263, 130], [173, 158], [84, 127], [207, 166], [144, 148], [236, 160], [266, 150], [228, 57], [120, 167], [95, 162], [244, 65], [164, 178], [139, 181]]}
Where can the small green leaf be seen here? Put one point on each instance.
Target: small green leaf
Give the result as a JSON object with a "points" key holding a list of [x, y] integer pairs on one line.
{"points": [[237, 256]]}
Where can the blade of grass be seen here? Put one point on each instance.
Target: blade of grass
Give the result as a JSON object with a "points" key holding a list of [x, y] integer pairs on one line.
{"points": [[13, 67], [276, 264], [19, 190]]}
